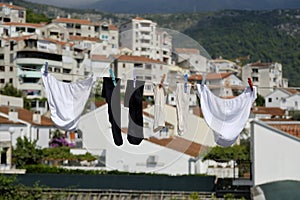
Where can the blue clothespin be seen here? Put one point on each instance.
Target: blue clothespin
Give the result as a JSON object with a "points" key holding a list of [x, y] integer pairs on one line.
{"points": [[185, 82], [134, 78], [46, 68], [112, 75]]}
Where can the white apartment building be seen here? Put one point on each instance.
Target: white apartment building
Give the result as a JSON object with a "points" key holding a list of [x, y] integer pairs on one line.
{"points": [[146, 69], [144, 38], [265, 76], [223, 66], [190, 59], [12, 13]]}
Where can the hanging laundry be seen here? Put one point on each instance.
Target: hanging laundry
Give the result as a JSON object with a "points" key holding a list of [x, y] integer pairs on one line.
{"points": [[159, 107], [66, 100], [134, 100], [182, 106], [111, 93], [226, 117]]}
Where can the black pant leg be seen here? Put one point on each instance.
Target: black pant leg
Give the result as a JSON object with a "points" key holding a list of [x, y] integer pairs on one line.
{"points": [[112, 95], [134, 100]]}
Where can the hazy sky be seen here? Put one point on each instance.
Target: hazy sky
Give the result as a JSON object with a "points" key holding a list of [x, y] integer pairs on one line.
{"points": [[64, 3]]}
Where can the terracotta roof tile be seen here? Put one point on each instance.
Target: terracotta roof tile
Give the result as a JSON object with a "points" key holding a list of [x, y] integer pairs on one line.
{"points": [[101, 58], [292, 91], [273, 111], [259, 64], [74, 21], [12, 6], [80, 38], [113, 27], [292, 129], [24, 24], [126, 58], [27, 116], [210, 76], [187, 50]]}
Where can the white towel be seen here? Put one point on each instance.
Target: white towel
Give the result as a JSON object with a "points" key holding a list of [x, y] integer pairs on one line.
{"points": [[159, 108], [226, 117], [66, 100]]}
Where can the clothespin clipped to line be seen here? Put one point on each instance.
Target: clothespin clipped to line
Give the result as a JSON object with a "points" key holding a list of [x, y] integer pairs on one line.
{"points": [[46, 68], [185, 82], [250, 84], [134, 78], [162, 81], [112, 75], [203, 79]]}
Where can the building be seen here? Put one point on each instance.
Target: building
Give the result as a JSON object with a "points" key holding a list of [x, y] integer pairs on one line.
{"points": [[266, 76], [144, 38], [275, 156], [161, 152], [287, 99], [223, 66], [12, 13], [191, 60], [221, 84]]}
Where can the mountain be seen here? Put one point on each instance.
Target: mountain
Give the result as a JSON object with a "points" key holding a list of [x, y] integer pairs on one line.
{"points": [[171, 6]]}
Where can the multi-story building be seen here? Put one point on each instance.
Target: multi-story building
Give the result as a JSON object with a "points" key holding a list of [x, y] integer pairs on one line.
{"points": [[266, 76], [190, 59], [223, 66], [12, 13], [144, 38]]}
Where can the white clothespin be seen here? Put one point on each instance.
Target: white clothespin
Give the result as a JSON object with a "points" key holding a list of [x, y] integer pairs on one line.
{"points": [[185, 82], [112, 75], [203, 79], [134, 78]]}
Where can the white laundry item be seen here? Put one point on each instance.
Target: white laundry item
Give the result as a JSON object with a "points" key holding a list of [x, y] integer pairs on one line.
{"points": [[226, 117], [66, 100], [159, 108], [182, 107]]}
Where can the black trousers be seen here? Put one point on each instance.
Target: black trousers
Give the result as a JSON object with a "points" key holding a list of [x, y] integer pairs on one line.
{"points": [[112, 95], [134, 100]]}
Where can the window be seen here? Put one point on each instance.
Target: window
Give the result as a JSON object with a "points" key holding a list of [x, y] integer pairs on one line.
{"points": [[296, 103], [254, 70], [270, 100], [255, 79], [11, 80], [11, 69], [2, 80], [2, 68], [124, 65]]}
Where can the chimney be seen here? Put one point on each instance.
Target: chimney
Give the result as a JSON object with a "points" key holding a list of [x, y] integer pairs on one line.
{"points": [[36, 117], [13, 115]]}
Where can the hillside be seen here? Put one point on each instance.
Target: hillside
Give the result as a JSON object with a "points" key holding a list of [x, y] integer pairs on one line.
{"points": [[268, 36]]}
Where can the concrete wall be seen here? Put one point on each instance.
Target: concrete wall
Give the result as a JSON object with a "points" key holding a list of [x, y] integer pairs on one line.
{"points": [[275, 154]]}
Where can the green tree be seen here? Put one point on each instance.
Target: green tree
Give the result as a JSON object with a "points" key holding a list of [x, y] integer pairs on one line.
{"points": [[10, 90], [32, 17], [26, 152], [260, 100]]}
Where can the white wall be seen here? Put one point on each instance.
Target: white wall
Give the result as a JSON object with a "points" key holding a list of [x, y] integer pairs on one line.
{"points": [[292, 102], [275, 154], [276, 98], [97, 136]]}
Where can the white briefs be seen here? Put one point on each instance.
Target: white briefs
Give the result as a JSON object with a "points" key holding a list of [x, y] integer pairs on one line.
{"points": [[226, 117], [66, 100]]}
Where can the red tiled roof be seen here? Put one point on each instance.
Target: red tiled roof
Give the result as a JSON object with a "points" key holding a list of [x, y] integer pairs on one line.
{"points": [[178, 144], [113, 27], [292, 129], [24, 24], [139, 18], [273, 111], [4, 120], [19, 38], [259, 64], [210, 76], [58, 42], [12, 6], [100, 58], [27, 116], [126, 58], [74, 21], [80, 38], [187, 50], [292, 91]]}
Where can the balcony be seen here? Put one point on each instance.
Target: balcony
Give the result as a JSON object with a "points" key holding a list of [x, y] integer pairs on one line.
{"points": [[29, 74], [145, 28]]}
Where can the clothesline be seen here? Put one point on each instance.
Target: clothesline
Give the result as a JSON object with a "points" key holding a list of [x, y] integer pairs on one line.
{"points": [[71, 74]]}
